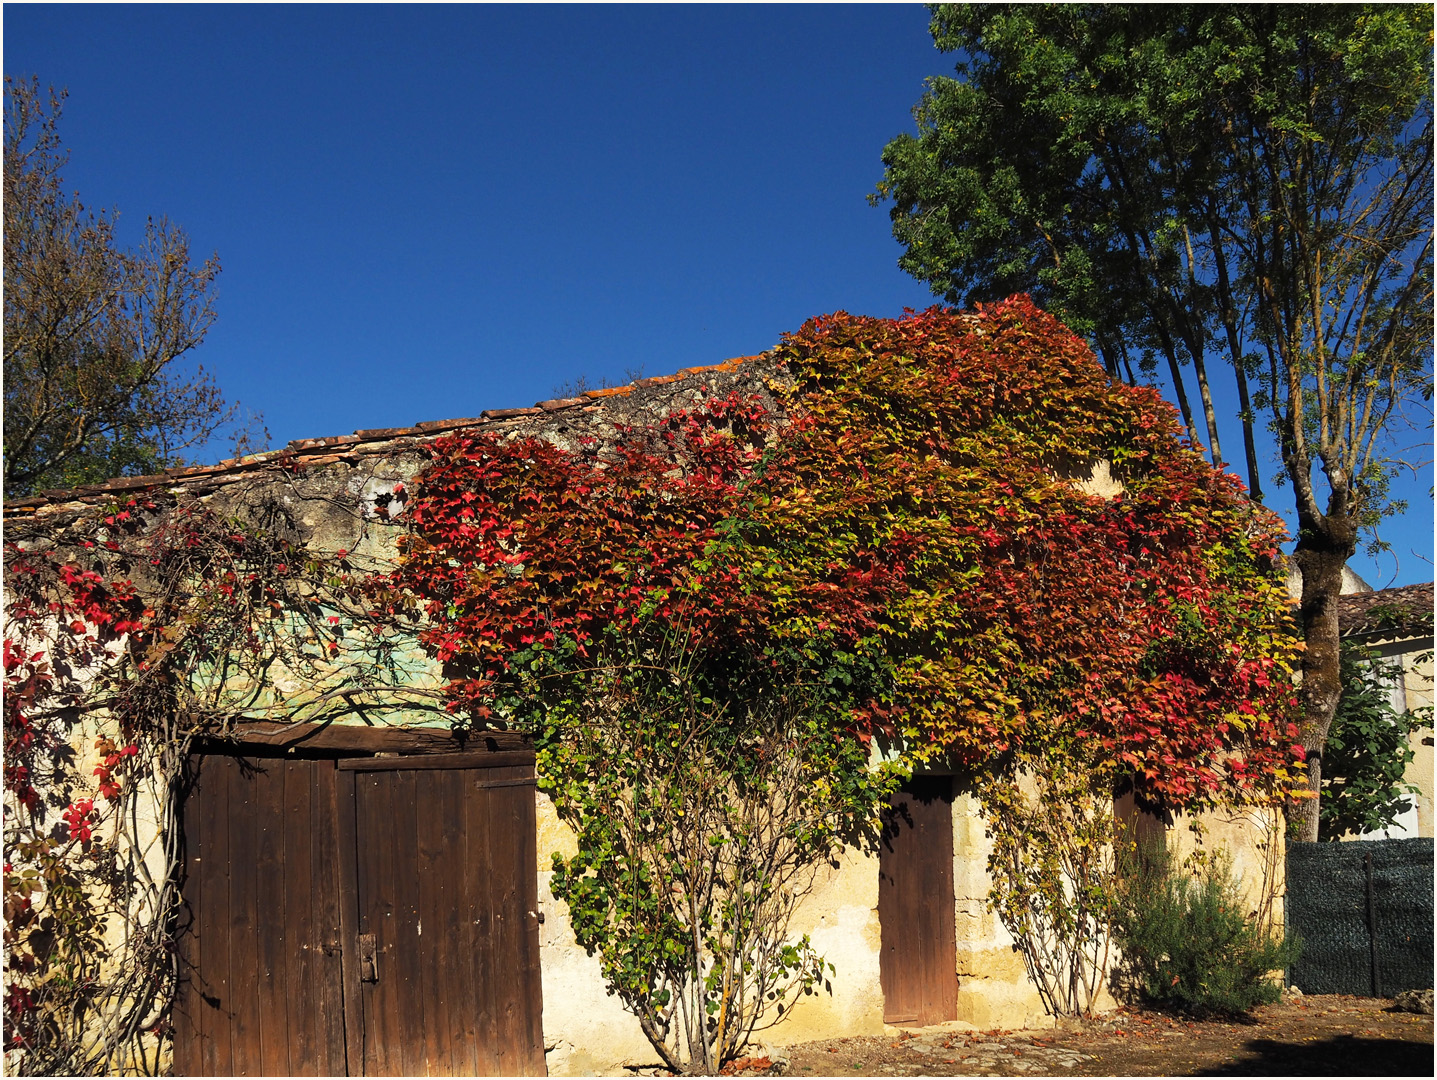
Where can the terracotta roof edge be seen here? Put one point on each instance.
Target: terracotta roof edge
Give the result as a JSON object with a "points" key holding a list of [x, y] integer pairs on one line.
{"points": [[325, 446]]}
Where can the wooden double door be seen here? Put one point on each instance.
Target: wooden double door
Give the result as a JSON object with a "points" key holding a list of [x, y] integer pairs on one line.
{"points": [[918, 965], [368, 916]]}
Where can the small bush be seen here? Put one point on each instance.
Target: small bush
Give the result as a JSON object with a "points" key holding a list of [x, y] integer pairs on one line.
{"points": [[1187, 942]]}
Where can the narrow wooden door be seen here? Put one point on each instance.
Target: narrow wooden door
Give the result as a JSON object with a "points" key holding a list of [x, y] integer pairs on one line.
{"points": [[260, 945], [918, 963], [445, 887]]}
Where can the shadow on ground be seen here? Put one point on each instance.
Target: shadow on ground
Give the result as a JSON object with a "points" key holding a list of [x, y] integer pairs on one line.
{"points": [[1342, 1055]]}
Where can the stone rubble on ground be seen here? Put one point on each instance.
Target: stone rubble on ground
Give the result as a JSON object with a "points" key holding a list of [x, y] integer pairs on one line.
{"points": [[977, 1051], [1415, 1001]]}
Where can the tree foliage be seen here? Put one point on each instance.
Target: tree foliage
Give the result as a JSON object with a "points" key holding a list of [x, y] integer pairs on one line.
{"points": [[908, 511], [703, 813], [1245, 184], [92, 332]]}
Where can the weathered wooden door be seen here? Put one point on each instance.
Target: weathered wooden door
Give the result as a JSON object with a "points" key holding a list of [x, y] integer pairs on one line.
{"points": [[446, 892], [260, 956], [360, 915], [918, 964]]}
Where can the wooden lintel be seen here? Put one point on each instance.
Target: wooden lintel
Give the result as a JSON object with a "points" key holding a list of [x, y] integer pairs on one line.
{"points": [[467, 760], [362, 739]]}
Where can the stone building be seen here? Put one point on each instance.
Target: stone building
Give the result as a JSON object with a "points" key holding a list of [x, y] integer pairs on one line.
{"points": [[1395, 626], [348, 493]]}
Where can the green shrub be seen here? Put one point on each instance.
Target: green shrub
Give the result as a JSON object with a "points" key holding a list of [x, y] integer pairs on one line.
{"points": [[1187, 942], [1364, 763]]}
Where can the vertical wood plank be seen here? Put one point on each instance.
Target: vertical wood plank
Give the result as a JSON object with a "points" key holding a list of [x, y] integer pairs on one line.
{"points": [[340, 788], [372, 909], [301, 939], [273, 918], [454, 1000], [917, 967], [431, 871], [512, 992], [379, 840], [920, 881], [408, 999], [465, 1032], [531, 1004], [936, 845], [508, 928], [217, 1057], [244, 921], [483, 972]]}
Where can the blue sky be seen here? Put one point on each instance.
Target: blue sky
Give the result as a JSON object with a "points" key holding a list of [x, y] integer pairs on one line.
{"points": [[423, 212]]}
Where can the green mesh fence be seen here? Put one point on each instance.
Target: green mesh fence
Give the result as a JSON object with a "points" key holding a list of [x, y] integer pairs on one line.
{"points": [[1364, 912]]}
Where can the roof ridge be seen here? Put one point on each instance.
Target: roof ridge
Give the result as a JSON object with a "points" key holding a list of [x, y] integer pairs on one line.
{"points": [[326, 448]]}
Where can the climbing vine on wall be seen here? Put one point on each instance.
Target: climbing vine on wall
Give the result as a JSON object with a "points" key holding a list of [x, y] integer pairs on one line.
{"points": [[129, 633], [901, 524], [905, 501], [889, 549]]}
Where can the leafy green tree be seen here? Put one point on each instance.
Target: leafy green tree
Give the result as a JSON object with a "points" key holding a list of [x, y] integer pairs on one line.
{"points": [[705, 804], [92, 332], [1244, 185], [1368, 751]]}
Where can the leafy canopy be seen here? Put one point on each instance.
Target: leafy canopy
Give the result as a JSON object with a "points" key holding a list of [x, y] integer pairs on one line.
{"points": [[1248, 183], [709, 621], [92, 332], [1368, 750], [901, 527]]}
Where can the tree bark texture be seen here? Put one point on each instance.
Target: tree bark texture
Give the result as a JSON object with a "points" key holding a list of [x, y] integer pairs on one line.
{"points": [[1324, 546]]}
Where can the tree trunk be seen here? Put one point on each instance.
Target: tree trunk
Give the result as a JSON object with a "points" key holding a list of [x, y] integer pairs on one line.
{"points": [[1254, 478], [1325, 545]]}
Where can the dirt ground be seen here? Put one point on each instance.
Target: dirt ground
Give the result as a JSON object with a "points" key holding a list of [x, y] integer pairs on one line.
{"points": [[1312, 1036]]}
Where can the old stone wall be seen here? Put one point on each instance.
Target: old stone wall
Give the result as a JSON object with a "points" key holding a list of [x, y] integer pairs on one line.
{"points": [[326, 494]]}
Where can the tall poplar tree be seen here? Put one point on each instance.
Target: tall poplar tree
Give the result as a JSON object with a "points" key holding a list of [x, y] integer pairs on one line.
{"points": [[1246, 187]]}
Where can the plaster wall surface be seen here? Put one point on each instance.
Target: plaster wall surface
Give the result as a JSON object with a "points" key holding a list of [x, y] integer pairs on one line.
{"points": [[994, 990], [1250, 840], [1417, 686], [587, 1031]]}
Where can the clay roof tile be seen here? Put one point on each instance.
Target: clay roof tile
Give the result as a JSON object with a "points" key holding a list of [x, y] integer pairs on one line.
{"points": [[1405, 611]]}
